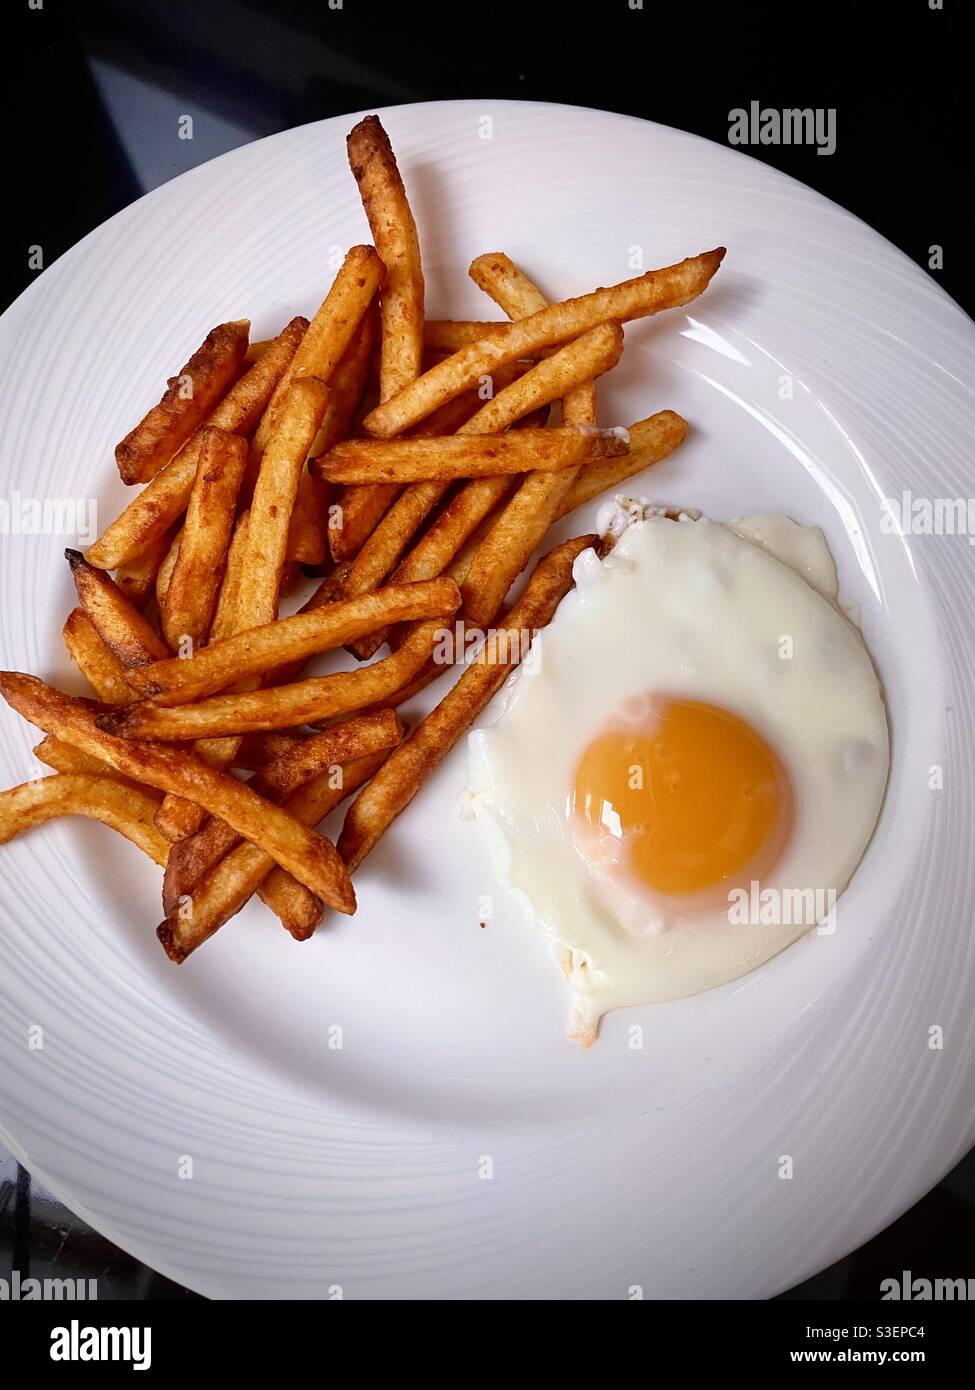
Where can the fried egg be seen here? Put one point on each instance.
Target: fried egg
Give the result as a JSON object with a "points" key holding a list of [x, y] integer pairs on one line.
{"points": [[683, 779]]}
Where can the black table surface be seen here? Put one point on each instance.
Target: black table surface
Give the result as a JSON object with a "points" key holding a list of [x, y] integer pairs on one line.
{"points": [[95, 88]]}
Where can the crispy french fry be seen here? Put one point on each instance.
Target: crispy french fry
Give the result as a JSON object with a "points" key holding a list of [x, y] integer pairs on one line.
{"points": [[296, 423], [229, 884], [347, 384], [650, 441], [381, 550], [647, 294], [308, 529], [224, 663], [393, 228], [447, 336], [224, 622], [524, 521], [190, 859], [188, 399], [137, 578], [280, 706], [103, 671], [356, 515], [191, 594], [163, 501], [467, 455], [126, 808], [409, 766], [329, 333], [165, 571], [257, 750], [311, 858], [62, 757], [130, 637]]}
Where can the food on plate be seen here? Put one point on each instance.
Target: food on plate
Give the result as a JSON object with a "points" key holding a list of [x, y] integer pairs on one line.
{"points": [[310, 857], [714, 781], [176, 681], [465, 455], [408, 471]]}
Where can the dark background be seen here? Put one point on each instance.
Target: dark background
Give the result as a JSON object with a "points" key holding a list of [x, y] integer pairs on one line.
{"points": [[93, 92]]}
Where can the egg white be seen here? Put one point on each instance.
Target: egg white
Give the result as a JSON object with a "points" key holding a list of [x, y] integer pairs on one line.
{"points": [[739, 617]]}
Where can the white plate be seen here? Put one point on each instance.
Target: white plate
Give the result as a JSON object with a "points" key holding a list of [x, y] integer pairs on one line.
{"points": [[457, 1145]]}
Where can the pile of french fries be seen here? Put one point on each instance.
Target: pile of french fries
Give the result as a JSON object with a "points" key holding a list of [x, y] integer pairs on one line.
{"points": [[410, 467]]}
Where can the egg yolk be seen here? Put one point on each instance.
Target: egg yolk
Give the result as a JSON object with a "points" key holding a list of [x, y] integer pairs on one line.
{"points": [[690, 793]]}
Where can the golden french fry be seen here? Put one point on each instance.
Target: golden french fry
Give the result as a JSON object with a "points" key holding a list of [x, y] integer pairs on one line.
{"points": [[647, 294], [165, 571], [188, 399], [229, 884], [356, 515], [259, 649], [330, 750], [524, 521], [62, 757], [191, 593], [310, 857], [409, 766], [384, 198], [650, 441], [225, 614], [296, 423], [103, 671], [467, 455], [163, 501], [308, 529], [347, 384], [126, 808], [329, 333], [137, 578], [129, 636], [280, 706], [447, 336]]}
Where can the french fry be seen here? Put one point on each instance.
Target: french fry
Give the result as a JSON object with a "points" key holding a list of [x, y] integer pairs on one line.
{"points": [[310, 857], [393, 228], [63, 758], [647, 294], [381, 550], [524, 521], [466, 455], [347, 384], [229, 884], [164, 500], [103, 671], [127, 809], [165, 571], [190, 859], [447, 336], [188, 399], [356, 515], [308, 529], [224, 663], [224, 622], [296, 423], [137, 577], [191, 594], [409, 766], [650, 441], [280, 706], [329, 333], [130, 637]]}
